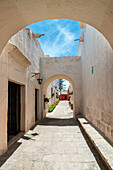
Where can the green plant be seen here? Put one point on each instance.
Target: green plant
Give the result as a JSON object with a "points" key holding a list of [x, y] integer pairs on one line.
{"points": [[56, 103], [71, 92], [71, 106], [57, 96], [69, 102], [50, 109], [46, 100], [69, 96], [52, 94]]}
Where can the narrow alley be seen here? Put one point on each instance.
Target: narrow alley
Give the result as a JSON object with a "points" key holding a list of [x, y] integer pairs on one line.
{"points": [[55, 143], [56, 85]]}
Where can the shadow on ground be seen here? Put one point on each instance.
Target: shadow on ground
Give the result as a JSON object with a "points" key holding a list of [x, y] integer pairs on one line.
{"points": [[59, 122], [8, 154], [55, 122]]}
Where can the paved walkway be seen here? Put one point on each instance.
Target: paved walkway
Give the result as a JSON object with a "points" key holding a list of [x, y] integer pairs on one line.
{"points": [[57, 143]]}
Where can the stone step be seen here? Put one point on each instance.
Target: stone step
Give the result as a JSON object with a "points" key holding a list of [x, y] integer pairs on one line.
{"points": [[102, 146]]}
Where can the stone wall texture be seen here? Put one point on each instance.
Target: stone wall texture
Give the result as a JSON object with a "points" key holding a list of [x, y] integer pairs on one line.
{"points": [[96, 52]]}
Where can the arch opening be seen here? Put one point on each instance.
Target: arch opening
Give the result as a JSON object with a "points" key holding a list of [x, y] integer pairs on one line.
{"points": [[47, 84], [94, 13], [79, 35], [57, 36]]}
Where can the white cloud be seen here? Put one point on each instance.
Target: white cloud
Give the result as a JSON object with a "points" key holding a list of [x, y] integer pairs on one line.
{"points": [[59, 36], [60, 44], [69, 36]]}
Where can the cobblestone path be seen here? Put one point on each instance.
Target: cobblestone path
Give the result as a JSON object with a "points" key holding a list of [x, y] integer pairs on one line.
{"points": [[57, 143]]}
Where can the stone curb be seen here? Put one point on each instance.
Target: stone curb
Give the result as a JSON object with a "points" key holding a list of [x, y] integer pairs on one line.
{"points": [[95, 146]]}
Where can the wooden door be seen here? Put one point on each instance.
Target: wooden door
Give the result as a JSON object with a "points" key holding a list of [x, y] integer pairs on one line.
{"points": [[36, 104], [13, 108]]}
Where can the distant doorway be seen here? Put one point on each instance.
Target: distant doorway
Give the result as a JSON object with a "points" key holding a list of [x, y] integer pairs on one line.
{"points": [[36, 104], [14, 109], [63, 96]]}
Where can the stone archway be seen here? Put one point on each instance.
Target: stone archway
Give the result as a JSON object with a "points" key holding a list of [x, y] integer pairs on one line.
{"points": [[17, 14], [51, 79], [68, 68]]}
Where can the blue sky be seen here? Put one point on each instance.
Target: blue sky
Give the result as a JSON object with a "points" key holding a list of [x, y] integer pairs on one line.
{"points": [[59, 36]]}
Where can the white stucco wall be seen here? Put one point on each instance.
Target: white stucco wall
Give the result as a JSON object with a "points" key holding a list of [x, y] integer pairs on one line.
{"points": [[29, 47], [52, 99], [97, 87], [70, 90], [15, 66]]}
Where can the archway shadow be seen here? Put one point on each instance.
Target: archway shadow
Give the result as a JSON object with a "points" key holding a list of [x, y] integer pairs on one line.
{"points": [[59, 122], [8, 154]]}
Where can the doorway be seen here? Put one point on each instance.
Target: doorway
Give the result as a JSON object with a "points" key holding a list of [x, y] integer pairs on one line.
{"points": [[14, 109], [36, 104]]}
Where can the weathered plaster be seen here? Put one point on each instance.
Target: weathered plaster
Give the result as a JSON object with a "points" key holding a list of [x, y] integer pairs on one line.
{"points": [[97, 87], [19, 59]]}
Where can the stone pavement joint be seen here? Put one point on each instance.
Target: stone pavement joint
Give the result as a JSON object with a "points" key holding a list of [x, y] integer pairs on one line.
{"points": [[59, 145]]}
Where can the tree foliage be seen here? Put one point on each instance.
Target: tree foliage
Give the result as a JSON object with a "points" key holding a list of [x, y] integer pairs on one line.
{"points": [[61, 84]]}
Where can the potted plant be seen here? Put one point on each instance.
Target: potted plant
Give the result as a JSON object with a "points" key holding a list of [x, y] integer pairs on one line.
{"points": [[52, 94], [71, 92], [57, 96], [71, 106], [50, 109], [69, 96], [54, 105], [46, 100]]}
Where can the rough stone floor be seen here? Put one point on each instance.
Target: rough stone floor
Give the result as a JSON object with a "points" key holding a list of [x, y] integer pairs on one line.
{"points": [[57, 143]]}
